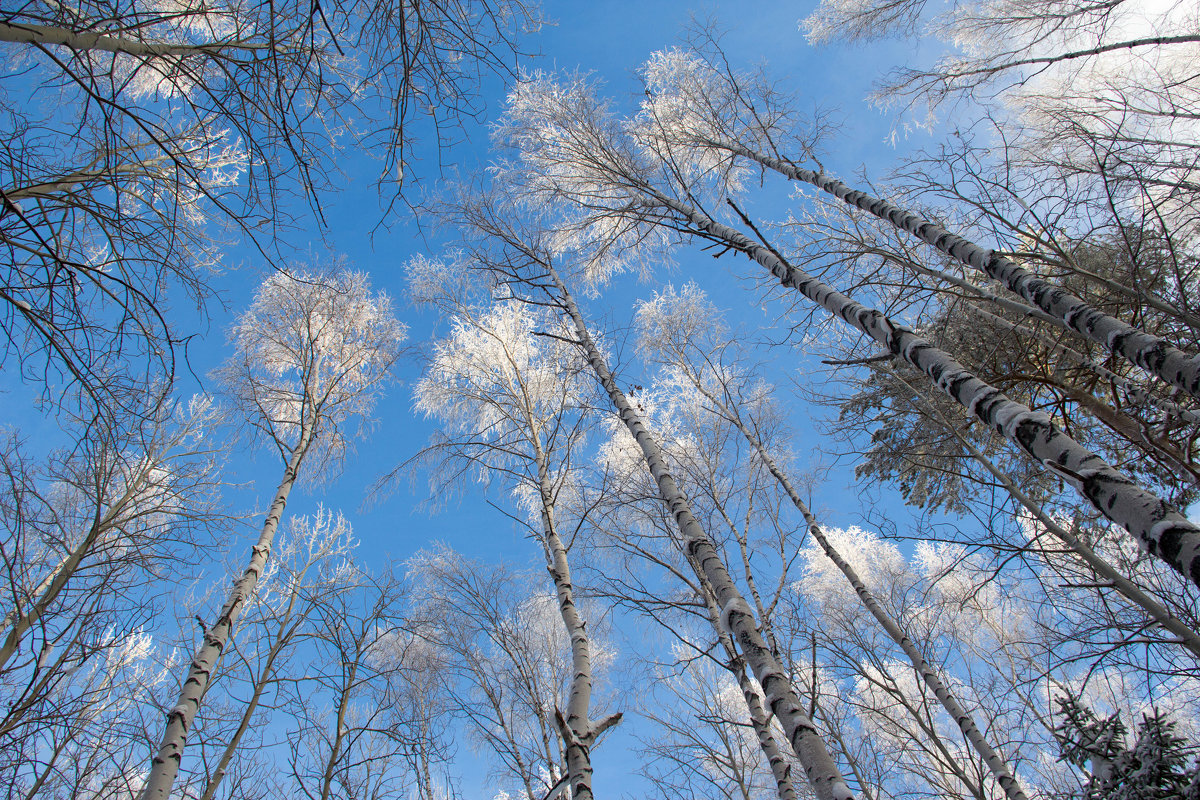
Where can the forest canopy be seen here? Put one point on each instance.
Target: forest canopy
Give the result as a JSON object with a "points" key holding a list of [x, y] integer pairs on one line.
{"points": [[400, 405]]}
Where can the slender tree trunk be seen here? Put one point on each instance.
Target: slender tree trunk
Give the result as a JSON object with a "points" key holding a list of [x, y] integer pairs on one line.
{"points": [[1188, 638], [781, 767], [1150, 352], [576, 728], [994, 761], [1160, 529], [339, 735], [23, 33], [736, 615], [165, 765], [18, 623]]}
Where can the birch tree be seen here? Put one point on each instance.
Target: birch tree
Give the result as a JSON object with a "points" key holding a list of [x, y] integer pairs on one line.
{"points": [[528, 263], [88, 534], [135, 129], [678, 123], [574, 153], [685, 331], [510, 392], [639, 564], [704, 744], [312, 563], [508, 660], [313, 353]]}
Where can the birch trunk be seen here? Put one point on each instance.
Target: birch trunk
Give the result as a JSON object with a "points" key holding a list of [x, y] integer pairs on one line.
{"points": [[781, 768], [996, 764], [576, 728], [218, 774], [1188, 638], [18, 622], [736, 615], [165, 764], [1133, 393], [1150, 352], [89, 40], [1160, 529]]}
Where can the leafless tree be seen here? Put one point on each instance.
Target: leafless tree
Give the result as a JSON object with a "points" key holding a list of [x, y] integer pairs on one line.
{"points": [[134, 133], [88, 533], [314, 350]]}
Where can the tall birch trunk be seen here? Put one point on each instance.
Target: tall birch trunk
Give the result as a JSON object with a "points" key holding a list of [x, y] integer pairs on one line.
{"points": [[1119, 422], [736, 616], [1150, 352], [996, 764], [1159, 528], [165, 765], [1188, 638], [576, 728], [260, 686], [781, 767]]}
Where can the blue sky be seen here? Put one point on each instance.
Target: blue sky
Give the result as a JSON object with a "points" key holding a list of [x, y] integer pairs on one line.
{"points": [[610, 38]]}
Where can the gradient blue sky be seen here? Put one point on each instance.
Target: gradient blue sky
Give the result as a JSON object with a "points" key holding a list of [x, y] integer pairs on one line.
{"points": [[610, 38]]}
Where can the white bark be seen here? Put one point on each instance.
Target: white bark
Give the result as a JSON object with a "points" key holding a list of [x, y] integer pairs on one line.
{"points": [[576, 729], [1188, 637], [1132, 392], [998, 766], [736, 616], [17, 622], [165, 764], [1152, 353], [1159, 529], [781, 767]]}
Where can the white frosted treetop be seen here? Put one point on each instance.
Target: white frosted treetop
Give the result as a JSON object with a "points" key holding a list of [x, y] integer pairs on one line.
{"points": [[313, 351]]}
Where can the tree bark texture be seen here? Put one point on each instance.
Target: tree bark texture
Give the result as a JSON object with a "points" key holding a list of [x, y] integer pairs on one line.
{"points": [[1159, 528], [781, 767], [89, 40], [736, 616], [165, 765], [575, 727], [1188, 637], [998, 766], [1150, 352]]}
